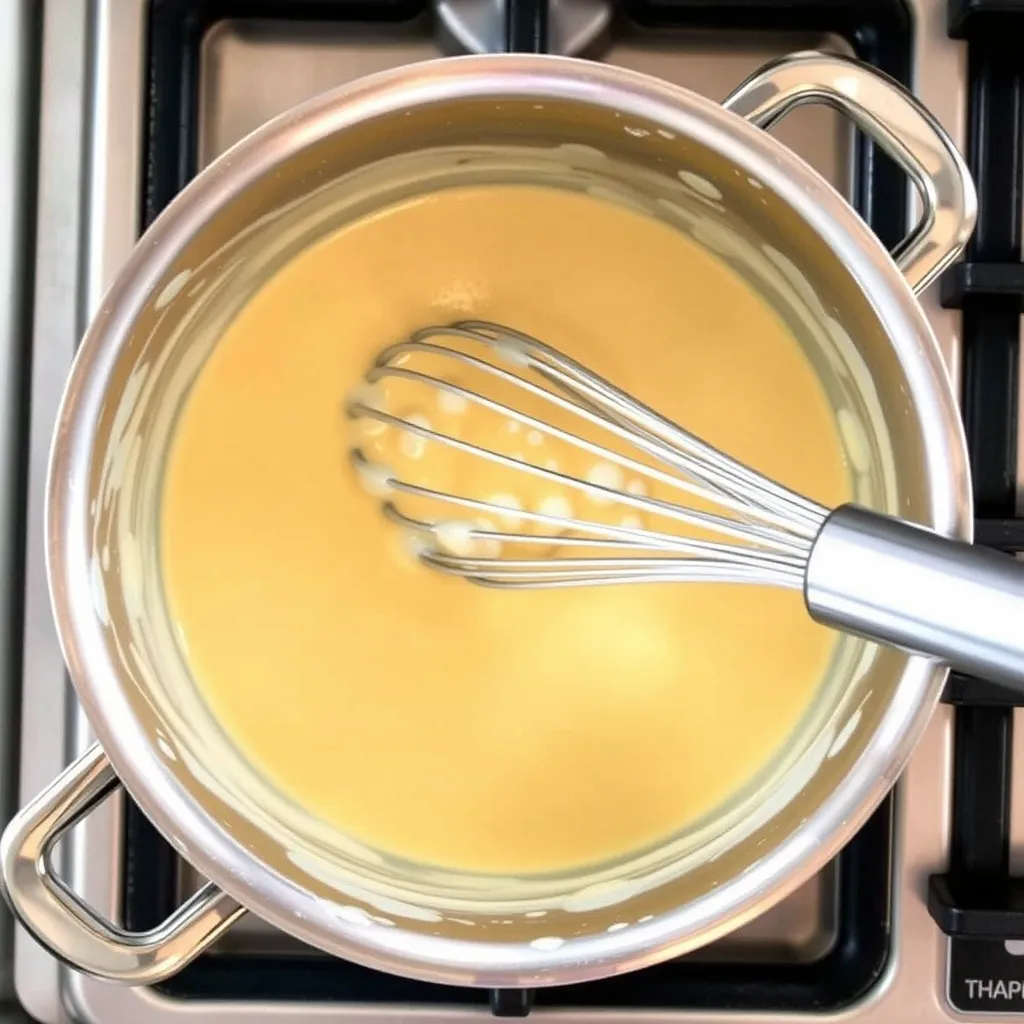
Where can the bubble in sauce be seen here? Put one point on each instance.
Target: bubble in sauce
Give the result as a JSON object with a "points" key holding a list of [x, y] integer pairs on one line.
{"points": [[487, 547], [511, 504], [374, 478], [556, 505], [511, 352], [451, 403], [413, 445], [607, 475], [456, 538]]}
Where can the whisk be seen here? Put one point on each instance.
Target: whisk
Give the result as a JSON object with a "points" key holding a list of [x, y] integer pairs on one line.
{"points": [[862, 572]]}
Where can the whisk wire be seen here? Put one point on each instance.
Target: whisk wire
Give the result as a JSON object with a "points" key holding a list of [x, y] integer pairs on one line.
{"points": [[768, 529], [715, 489], [702, 459], [736, 528], [606, 536]]}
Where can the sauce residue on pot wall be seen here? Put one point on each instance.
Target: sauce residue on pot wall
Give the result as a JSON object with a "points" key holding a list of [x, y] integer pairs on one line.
{"points": [[471, 729]]}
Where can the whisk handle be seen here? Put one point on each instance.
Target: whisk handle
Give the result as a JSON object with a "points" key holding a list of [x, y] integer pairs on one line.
{"points": [[909, 587]]}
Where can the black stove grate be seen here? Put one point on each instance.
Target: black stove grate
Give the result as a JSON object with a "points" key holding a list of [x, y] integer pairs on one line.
{"points": [[880, 33], [976, 902]]}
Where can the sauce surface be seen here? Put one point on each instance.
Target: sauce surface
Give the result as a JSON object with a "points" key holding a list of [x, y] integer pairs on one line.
{"points": [[444, 723]]}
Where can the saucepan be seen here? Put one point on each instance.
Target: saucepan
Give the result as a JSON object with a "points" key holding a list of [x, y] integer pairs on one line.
{"points": [[712, 171]]}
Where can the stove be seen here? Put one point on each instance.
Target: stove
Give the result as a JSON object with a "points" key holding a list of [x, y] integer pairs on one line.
{"points": [[16, 114], [919, 918]]}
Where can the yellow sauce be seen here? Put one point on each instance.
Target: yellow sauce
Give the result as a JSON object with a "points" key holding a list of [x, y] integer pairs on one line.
{"points": [[470, 728]]}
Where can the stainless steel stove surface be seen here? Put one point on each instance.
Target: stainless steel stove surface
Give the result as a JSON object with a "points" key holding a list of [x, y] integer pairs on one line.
{"points": [[137, 95]]}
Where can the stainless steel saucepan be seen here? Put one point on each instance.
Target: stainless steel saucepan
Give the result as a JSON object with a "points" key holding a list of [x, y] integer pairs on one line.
{"points": [[712, 172]]}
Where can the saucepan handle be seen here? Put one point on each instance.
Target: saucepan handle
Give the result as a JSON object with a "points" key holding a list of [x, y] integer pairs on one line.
{"points": [[896, 121], [67, 927], [912, 588]]}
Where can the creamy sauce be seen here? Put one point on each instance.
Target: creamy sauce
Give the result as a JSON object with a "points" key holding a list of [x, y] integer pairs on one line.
{"points": [[461, 727]]}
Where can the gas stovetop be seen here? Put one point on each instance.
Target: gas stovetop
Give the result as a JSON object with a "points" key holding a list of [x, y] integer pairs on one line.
{"points": [[137, 95]]}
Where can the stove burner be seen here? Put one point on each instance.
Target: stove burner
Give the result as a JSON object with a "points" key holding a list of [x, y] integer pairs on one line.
{"points": [[492, 26]]}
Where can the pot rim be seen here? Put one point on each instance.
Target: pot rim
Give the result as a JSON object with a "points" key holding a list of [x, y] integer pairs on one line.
{"points": [[164, 799]]}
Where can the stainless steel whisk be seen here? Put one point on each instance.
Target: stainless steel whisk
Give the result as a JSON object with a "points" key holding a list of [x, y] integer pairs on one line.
{"points": [[860, 571]]}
